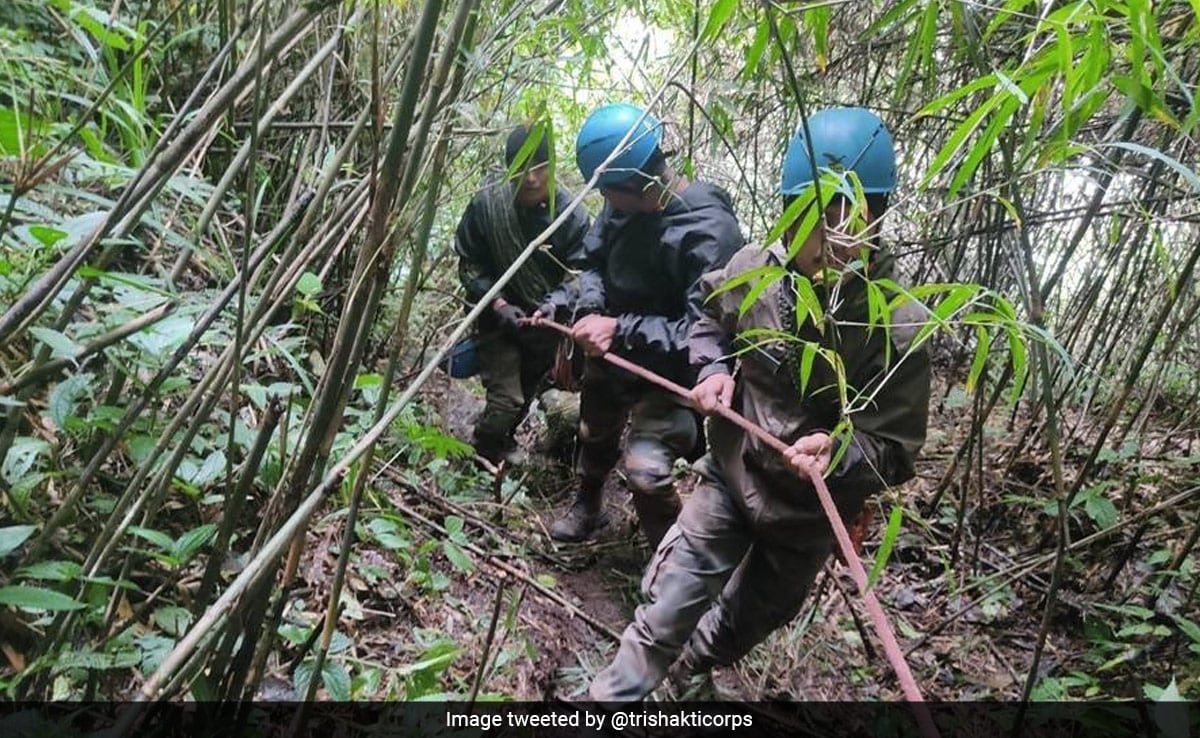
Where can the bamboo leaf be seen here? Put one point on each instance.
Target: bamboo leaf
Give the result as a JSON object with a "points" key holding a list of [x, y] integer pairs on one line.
{"points": [[959, 137], [750, 275], [898, 14], [1019, 356], [987, 81], [537, 132], [757, 290], [552, 164], [983, 342], [842, 436], [817, 19], [762, 34], [885, 547], [808, 304], [957, 297], [982, 147], [717, 18], [807, 355], [790, 214], [1188, 174], [1011, 87], [1003, 15]]}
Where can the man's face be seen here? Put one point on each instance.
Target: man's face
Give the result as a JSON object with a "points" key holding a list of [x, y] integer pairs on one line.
{"points": [[628, 200], [531, 188], [834, 243]]}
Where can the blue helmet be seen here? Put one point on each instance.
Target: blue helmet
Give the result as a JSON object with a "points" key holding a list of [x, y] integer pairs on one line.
{"points": [[843, 139], [601, 133]]}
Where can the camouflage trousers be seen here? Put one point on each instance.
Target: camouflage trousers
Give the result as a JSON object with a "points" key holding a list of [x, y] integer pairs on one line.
{"points": [[661, 429], [715, 588], [511, 369]]}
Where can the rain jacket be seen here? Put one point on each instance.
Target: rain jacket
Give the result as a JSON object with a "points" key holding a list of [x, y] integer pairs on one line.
{"points": [[888, 431], [645, 269]]}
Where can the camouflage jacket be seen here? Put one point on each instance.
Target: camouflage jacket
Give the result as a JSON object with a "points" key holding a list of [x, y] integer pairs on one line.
{"points": [[888, 431]]}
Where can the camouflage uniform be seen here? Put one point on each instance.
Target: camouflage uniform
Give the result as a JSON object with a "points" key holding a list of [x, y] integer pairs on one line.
{"points": [[644, 269], [752, 537], [491, 233]]}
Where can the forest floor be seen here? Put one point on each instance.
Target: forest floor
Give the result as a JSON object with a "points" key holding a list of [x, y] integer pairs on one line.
{"points": [[968, 629]]}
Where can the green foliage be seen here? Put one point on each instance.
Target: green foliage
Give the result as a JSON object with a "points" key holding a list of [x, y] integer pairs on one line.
{"points": [[13, 536], [334, 678], [37, 599], [1006, 119], [890, 534], [176, 552]]}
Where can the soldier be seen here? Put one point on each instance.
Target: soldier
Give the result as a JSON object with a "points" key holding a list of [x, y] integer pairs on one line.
{"points": [[643, 258], [752, 536], [500, 221]]}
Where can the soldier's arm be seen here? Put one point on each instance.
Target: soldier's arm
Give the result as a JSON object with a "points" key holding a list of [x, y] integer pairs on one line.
{"points": [[475, 268], [709, 339]]}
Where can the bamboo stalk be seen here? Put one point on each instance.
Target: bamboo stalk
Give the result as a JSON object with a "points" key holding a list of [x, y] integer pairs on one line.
{"points": [[47, 371], [134, 201]]}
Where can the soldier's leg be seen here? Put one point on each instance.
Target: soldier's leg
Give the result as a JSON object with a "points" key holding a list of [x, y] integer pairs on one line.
{"points": [[687, 572], [602, 413], [537, 358], [661, 430], [766, 591], [500, 372]]}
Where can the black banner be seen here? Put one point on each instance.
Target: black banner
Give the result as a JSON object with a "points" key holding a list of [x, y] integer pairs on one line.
{"points": [[553, 719]]}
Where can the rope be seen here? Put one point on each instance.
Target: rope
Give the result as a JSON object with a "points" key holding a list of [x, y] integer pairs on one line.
{"points": [[883, 628]]}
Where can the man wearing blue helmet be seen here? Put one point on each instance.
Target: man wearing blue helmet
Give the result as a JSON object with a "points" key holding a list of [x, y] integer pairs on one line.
{"points": [[751, 538], [636, 295], [500, 221]]}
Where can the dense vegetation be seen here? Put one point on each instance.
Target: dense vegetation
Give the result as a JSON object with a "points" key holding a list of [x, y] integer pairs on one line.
{"points": [[226, 279]]}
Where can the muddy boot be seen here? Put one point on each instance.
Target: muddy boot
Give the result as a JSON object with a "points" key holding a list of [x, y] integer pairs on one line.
{"points": [[497, 450], [685, 683], [656, 514], [584, 516]]}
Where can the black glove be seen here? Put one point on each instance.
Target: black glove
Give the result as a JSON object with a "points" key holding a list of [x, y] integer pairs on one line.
{"points": [[508, 315]]}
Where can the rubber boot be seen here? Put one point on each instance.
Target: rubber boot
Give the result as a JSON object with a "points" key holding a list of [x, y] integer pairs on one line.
{"points": [[584, 516], [496, 450], [656, 514]]}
